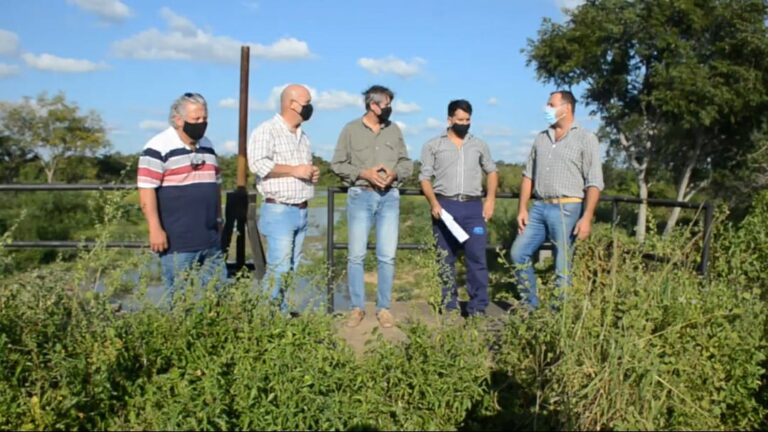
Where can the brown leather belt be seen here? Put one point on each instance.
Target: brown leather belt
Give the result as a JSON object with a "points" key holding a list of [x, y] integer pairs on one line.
{"points": [[301, 205], [563, 200], [460, 197]]}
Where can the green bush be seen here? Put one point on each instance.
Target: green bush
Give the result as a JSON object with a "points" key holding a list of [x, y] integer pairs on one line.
{"points": [[639, 344]]}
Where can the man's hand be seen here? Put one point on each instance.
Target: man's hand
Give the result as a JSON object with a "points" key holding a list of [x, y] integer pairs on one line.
{"points": [[488, 207], [315, 174], [373, 177], [303, 172], [158, 240], [583, 228], [522, 220], [390, 177], [435, 209]]}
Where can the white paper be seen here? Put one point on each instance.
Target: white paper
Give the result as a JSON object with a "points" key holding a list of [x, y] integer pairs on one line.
{"points": [[455, 229]]}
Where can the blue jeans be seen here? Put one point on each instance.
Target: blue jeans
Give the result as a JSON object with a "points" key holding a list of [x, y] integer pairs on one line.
{"points": [[284, 227], [364, 209], [545, 222], [212, 265]]}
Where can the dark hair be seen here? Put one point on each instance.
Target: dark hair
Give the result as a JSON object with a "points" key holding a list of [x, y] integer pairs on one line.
{"points": [[375, 93], [567, 97], [459, 104]]}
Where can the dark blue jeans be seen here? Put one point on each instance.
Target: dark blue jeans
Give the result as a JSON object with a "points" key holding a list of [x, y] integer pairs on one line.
{"points": [[469, 215]]}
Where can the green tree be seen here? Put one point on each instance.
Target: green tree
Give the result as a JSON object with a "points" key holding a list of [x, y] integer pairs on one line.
{"points": [[673, 80], [53, 129], [13, 156]]}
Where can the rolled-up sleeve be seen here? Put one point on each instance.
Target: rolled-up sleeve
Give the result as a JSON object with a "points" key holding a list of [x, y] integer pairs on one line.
{"points": [[591, 165], [341, 163], [404, 167], [486, 161], [530, 163], [427, 162], [260, 152]]}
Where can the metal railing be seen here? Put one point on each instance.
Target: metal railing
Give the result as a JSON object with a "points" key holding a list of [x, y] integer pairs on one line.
{"points": [[332, 245]]}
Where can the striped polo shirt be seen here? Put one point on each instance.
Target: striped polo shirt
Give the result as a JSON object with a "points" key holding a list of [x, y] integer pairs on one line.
{"points": [[187, 182]]}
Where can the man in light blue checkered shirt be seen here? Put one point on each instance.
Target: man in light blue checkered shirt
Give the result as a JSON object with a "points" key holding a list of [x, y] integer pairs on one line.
{"points": [[564, 175]]}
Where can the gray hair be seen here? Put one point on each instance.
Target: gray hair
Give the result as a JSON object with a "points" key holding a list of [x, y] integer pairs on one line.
{"points": [[179, 105]]}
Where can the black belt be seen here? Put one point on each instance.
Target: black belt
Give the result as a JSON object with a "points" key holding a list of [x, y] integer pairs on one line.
{"points": [[460, 197], [301, 205]]}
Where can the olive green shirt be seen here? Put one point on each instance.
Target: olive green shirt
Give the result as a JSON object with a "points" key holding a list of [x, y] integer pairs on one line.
{"points": [[359, 148]]}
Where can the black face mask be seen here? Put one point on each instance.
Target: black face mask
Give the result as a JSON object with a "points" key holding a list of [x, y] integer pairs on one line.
{"points": [[306, 112], [460, 130], [195, 130], [385, 113]]}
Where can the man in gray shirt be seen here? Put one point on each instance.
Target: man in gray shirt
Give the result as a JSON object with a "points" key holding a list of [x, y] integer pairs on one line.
{"points": [[564, 174], [457, 161], [371, 158]]}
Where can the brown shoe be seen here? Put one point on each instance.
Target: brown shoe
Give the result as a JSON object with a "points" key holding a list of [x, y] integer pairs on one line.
{"points": [[386, 320], [355, 317]]}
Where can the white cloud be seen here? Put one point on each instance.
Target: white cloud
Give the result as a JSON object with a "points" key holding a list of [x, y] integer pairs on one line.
{"points": [[110, 10], [492, 101], [7, 70], [433, 123], [321, 100], [185, 41], [498, 131], [509, 152], [230, 146], [568, 4], [405, 107], [9, 42], [392, 65], [154, 125], [335, 99], [229, 103], [50, 62]]}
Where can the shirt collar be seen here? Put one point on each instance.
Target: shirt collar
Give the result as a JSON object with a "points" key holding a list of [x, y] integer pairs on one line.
{"points": [[551, 130], [287, 128], [466, 138]]}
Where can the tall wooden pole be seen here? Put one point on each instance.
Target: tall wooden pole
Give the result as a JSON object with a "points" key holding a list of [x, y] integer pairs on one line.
{"points": [[242, 164]]}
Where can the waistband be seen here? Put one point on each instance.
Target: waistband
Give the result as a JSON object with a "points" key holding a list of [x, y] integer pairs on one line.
{"points": [[460, 197], [563, 200], [301, 205]]}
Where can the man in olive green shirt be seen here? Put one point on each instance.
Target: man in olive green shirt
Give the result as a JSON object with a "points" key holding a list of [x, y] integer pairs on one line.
{"points": [[371, 158]]}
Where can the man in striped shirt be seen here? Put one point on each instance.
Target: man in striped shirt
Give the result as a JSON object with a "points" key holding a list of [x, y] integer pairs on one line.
{"points": [[180, 196], [457, 160], [564, 174], [280, 156]]}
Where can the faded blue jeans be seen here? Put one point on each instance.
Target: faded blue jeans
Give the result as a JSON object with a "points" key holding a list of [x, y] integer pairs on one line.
{"points": [[284, 228], [553, 222], [366, 208], [211, 264]]}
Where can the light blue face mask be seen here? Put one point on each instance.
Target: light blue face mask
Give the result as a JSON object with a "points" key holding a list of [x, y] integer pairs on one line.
{"points": [[550, 113]]}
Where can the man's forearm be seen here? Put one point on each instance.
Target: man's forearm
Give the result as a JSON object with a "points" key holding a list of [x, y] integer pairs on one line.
{"points": [[590, 201], [493, 185], [526, 187], [281, 171], [148, 203], [429, 193]]}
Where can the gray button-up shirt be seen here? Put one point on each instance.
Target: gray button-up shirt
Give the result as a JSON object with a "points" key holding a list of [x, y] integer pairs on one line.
{"points": [[457, 170], [360, 148], [564, 168]]}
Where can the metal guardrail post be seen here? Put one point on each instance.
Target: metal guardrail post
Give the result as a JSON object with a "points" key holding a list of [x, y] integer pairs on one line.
{"points": [[329, 248], [709, 215]]}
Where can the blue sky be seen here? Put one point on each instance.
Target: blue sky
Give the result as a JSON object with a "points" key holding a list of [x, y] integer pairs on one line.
{"points": [[128, 60]]}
